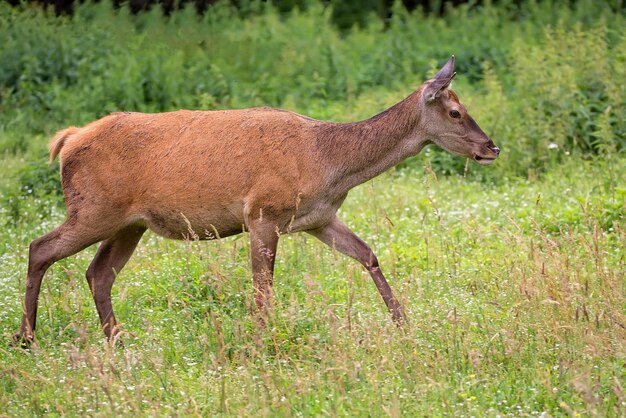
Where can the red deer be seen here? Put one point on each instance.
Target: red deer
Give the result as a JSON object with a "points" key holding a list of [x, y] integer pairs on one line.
{"points": [[218, 173]]}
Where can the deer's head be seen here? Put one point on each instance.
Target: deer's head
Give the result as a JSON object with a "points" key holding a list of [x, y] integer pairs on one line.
{"points": [[446, 123]]}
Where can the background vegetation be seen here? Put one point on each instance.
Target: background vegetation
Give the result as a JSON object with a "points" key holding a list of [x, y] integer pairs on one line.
{"points": [[513, 275]]}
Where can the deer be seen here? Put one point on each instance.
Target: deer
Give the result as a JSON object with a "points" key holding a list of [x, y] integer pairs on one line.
{"points": [[214, 174]]}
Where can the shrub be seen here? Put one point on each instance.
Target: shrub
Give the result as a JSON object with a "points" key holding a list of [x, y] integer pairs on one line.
{"points": [[532, 75]]}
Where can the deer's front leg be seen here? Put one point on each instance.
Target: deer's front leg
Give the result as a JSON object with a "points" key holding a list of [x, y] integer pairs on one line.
{"points": [[263, 243], [337, 235]]}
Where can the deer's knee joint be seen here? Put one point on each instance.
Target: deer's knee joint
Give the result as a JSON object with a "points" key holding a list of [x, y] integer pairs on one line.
{"points": [[96, 271], [90, 274], [38, 259], [34, 246], [371, 263]]}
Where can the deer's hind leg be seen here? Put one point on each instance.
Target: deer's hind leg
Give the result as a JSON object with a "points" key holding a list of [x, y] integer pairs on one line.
{"points": [[110, 258], [66, 240]]}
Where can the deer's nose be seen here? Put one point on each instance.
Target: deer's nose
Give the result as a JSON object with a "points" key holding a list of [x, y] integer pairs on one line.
{"points": [[495, 149]]}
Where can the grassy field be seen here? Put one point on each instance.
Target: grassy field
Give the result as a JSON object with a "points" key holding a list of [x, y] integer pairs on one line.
{"points": [[512, 275], [515, 294]]}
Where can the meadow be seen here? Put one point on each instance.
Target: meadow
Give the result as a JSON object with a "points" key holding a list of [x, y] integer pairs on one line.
{"points": [[512, 275]]}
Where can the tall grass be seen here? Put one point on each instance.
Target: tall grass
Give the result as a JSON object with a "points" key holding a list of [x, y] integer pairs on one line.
{"points": [[515, 295]]}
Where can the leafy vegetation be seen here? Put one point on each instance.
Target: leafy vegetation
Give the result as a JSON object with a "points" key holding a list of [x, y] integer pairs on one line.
{"points": [[512, 275], [540, 75]]}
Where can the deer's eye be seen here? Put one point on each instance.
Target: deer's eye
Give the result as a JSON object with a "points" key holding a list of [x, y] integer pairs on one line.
{"points": [[455, 114]]}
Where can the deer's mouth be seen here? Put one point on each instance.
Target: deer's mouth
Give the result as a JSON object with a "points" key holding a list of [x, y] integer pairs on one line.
{"points": [[484, 160]]}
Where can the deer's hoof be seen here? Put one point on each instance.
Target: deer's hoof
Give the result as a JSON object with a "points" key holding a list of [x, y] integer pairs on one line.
{"points": [[23, 341]]}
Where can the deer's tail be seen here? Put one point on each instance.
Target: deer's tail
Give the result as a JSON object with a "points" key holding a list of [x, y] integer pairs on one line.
{"points": [[59, 140]]}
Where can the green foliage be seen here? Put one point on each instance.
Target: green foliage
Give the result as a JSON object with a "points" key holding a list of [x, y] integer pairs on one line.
{"points": [[39, 180], [532, 75], [573, 92], [35, 188], [347, 14]]}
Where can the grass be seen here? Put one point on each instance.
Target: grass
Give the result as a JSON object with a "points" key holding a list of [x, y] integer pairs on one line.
{"points": [[515, 293]]}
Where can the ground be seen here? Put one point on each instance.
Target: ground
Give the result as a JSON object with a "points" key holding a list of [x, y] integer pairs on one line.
{"points": [[514, 290]]}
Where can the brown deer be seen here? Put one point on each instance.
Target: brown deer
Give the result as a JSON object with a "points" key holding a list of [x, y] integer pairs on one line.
{"points": [[212, 174]]}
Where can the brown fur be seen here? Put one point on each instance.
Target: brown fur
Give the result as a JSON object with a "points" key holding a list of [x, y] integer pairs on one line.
{"points": [[59, 140], [211, 174]]}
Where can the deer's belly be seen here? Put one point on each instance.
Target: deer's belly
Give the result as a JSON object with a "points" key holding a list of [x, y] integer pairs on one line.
{"points": [[195, 224], [213, 223]]}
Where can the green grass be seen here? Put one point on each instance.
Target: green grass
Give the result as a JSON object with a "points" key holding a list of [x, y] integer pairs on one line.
{"points": [[515, 294]]}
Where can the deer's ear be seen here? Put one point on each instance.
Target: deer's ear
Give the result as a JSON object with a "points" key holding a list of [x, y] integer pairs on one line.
{"points": [[441, 81]]}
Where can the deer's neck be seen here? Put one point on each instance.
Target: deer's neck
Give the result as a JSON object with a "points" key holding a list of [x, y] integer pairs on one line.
{"points": [[354, 153]]}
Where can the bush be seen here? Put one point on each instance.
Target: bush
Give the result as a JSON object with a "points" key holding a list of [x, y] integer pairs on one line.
{"points": [[536, 77]]}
